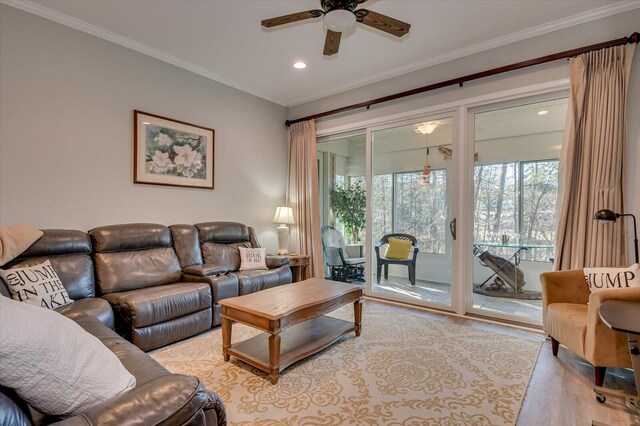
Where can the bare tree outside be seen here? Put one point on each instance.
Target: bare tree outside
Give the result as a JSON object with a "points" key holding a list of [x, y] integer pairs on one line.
{"points": [[518, 200]]}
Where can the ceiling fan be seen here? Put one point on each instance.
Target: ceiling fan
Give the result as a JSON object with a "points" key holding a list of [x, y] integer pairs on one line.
{"points": [[339, 15]]}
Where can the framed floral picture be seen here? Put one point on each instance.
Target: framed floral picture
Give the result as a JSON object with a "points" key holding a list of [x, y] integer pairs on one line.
{"points": [[171, 152]]}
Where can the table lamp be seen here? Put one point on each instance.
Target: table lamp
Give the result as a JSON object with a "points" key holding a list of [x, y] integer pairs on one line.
{"points": [[283, 216], [607, 216]]}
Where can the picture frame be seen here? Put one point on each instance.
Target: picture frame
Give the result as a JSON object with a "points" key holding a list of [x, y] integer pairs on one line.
{"points": [[171, 152]]}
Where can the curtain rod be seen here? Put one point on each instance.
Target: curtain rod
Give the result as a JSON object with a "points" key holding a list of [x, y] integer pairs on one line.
{"points": [[633, 38]]}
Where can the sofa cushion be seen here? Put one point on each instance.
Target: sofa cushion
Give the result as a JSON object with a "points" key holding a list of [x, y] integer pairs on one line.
{"points": [[131, 270], [155, 305], [129, 236], [68, 250], [53, 364], [75, 272], [226, 255], [37, 285], [186, 244], [223, 232], [164, 333], [93, 306], [567, 323], [252, 281]]}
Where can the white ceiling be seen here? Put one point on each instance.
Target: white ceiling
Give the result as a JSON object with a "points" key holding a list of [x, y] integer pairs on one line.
{"points": [[223, 39]]}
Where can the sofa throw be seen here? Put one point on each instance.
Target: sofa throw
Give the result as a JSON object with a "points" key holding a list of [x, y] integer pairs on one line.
{"points": [[608, 278], [14, 239], [37, 285], [53, 363], [252, 258]]}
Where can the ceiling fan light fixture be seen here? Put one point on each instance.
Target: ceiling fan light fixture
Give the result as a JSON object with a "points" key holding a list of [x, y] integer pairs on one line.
{"points": [[427, 127], [339, 20]]}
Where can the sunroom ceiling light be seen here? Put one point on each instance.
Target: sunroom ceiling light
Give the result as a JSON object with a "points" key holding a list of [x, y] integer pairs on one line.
{"points": [[543, 112], [339, 20], [300, 65], [427, 127]]}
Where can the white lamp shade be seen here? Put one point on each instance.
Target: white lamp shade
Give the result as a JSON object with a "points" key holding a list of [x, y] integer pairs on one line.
{"points": [[284, 215], [339, 20]]}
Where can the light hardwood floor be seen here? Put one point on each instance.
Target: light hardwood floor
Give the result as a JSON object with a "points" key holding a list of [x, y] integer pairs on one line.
{"points": [[561, 389]]}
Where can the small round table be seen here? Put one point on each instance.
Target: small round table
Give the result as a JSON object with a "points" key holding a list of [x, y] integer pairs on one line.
{"points": [[624, 316]]}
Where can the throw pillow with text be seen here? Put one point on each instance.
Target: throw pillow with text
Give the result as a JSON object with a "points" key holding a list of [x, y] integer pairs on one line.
{"points": [[608, 278], [37, 285]]}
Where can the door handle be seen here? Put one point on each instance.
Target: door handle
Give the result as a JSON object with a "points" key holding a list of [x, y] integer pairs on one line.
{"points": [[452, 228]]}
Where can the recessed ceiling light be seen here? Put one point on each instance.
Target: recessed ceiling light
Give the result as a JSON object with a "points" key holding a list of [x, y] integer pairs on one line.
{"points": [[299, 65], [543, 112]]}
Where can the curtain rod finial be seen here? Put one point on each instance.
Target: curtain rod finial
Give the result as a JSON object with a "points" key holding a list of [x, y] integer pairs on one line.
{"points": [[634, 38], [287, 123]]}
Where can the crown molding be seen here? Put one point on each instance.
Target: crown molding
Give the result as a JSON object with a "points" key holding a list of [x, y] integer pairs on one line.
{"points": [[592, 15], [77, 24], [581, 18]]}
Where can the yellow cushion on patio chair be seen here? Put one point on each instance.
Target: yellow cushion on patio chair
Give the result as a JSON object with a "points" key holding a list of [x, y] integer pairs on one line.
{"points": [[398, 249]]}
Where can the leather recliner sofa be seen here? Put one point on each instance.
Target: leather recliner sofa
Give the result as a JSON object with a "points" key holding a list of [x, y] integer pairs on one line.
{"points": [[138, 273], [69, 252], [208, 252], [159, 396]]}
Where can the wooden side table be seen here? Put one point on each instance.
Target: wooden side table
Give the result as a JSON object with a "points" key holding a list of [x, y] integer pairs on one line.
{"points": [[299, 264], [622, 316]]}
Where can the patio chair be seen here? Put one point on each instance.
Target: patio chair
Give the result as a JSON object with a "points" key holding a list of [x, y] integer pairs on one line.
{"points": [[345, 262], [410, 262]]}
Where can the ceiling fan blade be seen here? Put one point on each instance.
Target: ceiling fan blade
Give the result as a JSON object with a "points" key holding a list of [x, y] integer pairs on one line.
{"points": [[331, 43], [294, 17], [382, 22]]}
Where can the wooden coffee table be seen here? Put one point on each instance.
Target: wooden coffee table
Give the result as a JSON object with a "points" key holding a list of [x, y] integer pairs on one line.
{"points": [[293, 318]]}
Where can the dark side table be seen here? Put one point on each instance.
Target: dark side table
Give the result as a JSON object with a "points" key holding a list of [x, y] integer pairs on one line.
{"points": [[623, 316]]}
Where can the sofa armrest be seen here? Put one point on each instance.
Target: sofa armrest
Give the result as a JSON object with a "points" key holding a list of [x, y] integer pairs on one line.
{"points": [[205, 270], [170, 399], [222, 286], [276, 261]]}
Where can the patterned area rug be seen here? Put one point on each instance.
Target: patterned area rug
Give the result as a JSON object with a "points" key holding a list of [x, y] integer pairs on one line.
{"points": [[403, 370]]}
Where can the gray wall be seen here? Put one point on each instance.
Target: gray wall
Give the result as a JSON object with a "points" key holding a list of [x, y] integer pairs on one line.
{"points": [[610, 28], [66, 135]]}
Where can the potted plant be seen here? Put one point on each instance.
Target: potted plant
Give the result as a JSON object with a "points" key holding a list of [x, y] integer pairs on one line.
{"points": [[349, 203]]}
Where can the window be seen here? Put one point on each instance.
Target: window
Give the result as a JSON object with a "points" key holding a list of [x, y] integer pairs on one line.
{"points": [[517, 200], [405, 205]]}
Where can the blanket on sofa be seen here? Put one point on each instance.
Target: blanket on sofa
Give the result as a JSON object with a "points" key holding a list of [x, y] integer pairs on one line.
{"points": [[14, 239]]}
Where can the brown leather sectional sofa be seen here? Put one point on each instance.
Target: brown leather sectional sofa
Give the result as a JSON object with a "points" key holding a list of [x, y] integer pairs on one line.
{"points": [[155, 285]]}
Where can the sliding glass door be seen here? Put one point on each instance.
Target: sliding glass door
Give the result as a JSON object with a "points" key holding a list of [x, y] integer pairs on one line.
{"points": [[391, 189], [411, 183], [515, 192]]}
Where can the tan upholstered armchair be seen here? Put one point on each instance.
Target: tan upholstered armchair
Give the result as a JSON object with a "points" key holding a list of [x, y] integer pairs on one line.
{"points": [[570, 317]]}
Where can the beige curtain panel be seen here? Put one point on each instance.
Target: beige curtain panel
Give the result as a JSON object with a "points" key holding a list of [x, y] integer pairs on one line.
{"points": [[592, 161], [302, 194]]}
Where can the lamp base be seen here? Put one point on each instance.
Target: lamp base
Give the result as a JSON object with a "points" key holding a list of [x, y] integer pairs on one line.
{"points": [[283, 239]]}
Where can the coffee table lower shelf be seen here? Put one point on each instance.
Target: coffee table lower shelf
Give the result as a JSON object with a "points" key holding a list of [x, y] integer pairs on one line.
{"points": [[296, 342]]}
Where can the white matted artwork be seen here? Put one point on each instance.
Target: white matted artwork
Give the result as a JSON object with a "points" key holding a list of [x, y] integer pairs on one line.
{"points": [[171, 152]]}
